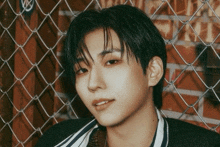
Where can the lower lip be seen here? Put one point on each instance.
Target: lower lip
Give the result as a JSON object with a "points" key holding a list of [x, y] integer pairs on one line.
{"points": [[103, 106]]}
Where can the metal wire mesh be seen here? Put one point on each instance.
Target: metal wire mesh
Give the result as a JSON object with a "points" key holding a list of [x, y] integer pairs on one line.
{"points": [[32, 94]]}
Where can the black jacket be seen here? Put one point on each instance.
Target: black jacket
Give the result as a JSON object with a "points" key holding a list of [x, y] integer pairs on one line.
{"points": [[181, 134]]}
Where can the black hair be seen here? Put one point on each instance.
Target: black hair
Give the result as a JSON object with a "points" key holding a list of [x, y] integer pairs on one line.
{"points": [[135, 30]]}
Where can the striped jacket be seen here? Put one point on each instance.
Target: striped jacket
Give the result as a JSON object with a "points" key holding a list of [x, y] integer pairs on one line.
{"points": [[180, 134]]}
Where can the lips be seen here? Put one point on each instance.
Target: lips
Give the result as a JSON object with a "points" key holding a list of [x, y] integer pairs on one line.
{"points": [[102, 104]]}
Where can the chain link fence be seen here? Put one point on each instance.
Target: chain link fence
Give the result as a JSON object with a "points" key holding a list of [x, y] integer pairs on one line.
{"points": [[35, 93]]}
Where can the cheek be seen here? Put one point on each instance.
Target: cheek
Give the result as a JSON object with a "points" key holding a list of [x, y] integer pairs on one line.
{"points": [[81, 83], [116, 79], [126, 80], [81, 89]]}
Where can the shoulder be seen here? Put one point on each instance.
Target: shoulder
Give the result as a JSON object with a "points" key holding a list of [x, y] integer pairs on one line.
{"points": [[60, 131], [186, 134]]}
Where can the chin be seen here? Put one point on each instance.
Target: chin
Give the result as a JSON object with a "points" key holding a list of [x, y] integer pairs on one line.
{"points": [[106, 122], [109, 121]]}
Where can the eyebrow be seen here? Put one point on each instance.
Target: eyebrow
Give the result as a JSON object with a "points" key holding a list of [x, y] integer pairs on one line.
{"points": [[104, 52]]}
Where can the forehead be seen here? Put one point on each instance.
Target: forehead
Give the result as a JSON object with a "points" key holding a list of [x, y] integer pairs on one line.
{"points": [[102, 39], [96, 42]]}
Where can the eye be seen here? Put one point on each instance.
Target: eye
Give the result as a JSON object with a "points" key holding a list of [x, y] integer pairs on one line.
{"points": [[81, 71], [110, 62]]}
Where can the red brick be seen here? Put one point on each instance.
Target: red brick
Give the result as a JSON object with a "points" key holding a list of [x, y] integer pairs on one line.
{"points": [[59, 86], [60, 45], [187, 52], [192, 6], [20, 37], [165, 27], [210, 111], [23, 92], [216, 30], [152, 6], [187, 34], [76, 5], [63, 22], [173, 102], [212, 32], [109, 3], [189, 80], [206, 31], [48, 5], [48, 31], [180, 6], [167, 75], [59, 55], [20, 131], [140, 4], [172, 56], [215, 4], [47, 101], [186, 7], [59, 69]]}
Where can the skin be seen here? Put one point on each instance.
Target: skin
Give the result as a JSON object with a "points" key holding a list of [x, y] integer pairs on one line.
{"points": [[112, 77]]}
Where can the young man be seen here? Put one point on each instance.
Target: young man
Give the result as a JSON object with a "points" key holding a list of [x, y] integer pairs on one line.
{"points": [[117, 59]]}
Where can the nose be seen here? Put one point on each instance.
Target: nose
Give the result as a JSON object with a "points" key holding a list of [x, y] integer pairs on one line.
{"points": [[96, 80]]}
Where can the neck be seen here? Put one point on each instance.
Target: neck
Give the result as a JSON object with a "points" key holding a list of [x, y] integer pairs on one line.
{"points": [[138, 130]]}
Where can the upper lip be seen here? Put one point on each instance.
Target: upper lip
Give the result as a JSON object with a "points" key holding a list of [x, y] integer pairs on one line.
{"points": [[100, 101]]}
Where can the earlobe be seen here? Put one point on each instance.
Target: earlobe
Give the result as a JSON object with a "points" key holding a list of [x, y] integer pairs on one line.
{"points": [[154, 71]]}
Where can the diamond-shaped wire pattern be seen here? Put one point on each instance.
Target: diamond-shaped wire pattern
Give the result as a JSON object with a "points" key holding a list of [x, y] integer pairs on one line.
{"points": [[32, 92]]}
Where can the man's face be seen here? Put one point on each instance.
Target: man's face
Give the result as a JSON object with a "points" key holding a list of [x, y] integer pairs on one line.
{"points": [[112, 88]]}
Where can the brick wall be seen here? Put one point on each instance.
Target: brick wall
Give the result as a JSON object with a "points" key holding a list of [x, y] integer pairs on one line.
{"points": [[32, 92], [188, 26]]}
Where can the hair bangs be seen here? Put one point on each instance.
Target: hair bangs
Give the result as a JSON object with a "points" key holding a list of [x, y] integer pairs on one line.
{"points": [[82, 49], [80, 53], [124, 46]]}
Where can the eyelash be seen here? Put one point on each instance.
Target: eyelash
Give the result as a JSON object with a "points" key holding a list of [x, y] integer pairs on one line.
{"points": [[81, 71], [108, 63]]}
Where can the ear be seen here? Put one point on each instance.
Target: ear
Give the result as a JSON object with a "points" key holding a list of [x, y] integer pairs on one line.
{"points": [[154, 71]]}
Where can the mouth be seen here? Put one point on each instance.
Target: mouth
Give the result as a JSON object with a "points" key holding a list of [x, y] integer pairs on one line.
{"points": [[102, 104]]}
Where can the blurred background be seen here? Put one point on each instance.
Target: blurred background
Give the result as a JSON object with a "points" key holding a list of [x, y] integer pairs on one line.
{"points": [[35, 93]]}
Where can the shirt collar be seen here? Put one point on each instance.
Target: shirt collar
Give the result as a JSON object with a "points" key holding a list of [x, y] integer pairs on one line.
{"points": [[81, 137], [161, 136]]}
